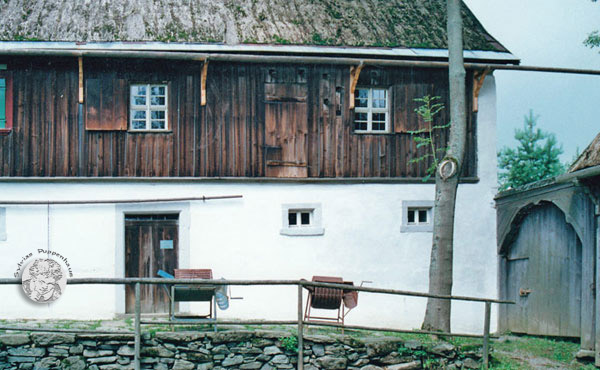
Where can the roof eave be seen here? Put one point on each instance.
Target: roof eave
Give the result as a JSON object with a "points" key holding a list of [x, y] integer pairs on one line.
{"points": [[8, 47]]}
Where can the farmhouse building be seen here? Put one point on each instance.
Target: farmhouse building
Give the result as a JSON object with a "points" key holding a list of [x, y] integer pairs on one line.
{"points": [[118, 117]]}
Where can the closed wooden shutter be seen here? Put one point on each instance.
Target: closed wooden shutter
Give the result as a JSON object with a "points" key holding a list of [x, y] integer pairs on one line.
{"points": [[106, 104], [6, 103], [2, 103]]}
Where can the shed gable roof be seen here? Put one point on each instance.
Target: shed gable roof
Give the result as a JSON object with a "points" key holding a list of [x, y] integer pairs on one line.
{"points": [[389, 23], [589, 158]]}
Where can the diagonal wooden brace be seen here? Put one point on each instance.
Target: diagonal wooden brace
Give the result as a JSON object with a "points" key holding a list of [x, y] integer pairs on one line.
{"points": [[354, 74]]}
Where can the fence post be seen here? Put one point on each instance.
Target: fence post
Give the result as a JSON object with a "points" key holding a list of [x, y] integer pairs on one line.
{"points": [[300, 330], [486, 335], [138, 331]]}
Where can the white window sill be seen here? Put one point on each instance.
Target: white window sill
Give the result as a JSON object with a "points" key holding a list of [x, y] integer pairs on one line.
{"points": [[302, 231], [426, 228]]}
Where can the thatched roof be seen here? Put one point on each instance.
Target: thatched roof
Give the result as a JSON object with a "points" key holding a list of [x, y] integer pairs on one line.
{"points": [[589, 158], [391, 23]]}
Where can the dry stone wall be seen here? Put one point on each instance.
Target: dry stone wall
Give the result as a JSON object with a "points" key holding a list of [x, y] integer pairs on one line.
{"points": [[261, 350]]}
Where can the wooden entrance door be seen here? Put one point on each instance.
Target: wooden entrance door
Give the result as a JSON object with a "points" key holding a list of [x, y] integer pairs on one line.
{"points": [[151, 243], [286, 130], [543, 276]]}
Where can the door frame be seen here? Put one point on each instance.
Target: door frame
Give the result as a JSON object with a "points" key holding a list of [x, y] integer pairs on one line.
{"points": [[181, 208]]}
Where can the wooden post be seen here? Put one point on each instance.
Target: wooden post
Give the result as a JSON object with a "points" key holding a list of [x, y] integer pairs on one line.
{"points": [[597, 288], [486, 335], [80, 63], [300, 330], [138, 331]]}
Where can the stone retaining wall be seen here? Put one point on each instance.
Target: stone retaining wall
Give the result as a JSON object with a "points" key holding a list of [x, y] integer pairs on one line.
{"points": [[260, 349]]}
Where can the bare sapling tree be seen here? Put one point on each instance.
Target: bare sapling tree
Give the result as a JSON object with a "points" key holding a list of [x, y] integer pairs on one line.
{"points": [[437, 314]]}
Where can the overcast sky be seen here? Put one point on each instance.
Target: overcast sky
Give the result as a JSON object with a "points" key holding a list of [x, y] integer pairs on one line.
{"points": [[546, 33]]}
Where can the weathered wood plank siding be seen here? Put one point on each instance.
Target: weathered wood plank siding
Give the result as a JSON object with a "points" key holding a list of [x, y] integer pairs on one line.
{"points": [[224, 138]]}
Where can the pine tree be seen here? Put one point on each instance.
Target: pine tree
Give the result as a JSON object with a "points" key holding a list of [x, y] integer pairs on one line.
{"points": [[535, 158]]}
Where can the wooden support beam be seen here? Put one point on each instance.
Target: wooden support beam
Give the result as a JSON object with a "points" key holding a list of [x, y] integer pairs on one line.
{"points": [[479, 78], [138, 329], [354, 74], [203, 83], [300, 331], [80, 63]]}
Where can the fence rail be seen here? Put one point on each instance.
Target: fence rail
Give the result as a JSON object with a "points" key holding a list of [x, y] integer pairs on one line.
{"points": [[300, 322]]}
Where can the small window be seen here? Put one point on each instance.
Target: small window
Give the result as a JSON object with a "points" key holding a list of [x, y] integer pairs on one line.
{"points": [[417, 216], [371, 110], [301, 219], [148, 108]]}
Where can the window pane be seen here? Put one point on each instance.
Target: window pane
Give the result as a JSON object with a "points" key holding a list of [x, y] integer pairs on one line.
{"points": [[157, 125], [360, 116], [378, 126], [361, 93], [361, 103], [422, 216], [305, 218], [139, 100], [378, 103], [360, 125], [292, 219], [411, 216], [158, 114], [157, 100], [361, 98], [138, 90], [379, 117], [379, 93], [157, 90], [379, 98], [138, 125], [139, 114]]}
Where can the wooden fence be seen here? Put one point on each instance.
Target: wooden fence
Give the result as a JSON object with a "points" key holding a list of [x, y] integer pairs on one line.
{"points": [[300, 322]]}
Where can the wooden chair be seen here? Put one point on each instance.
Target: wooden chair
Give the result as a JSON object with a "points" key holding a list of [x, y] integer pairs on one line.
{"points": [[330, 299], [325, 299], [193, 293]]}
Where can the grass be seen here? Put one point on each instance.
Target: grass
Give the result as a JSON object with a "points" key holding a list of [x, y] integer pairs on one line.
{"points": [[513, 353]]}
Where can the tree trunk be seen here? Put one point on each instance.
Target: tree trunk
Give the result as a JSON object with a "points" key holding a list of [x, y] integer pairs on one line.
{"points": [[437, 315]]}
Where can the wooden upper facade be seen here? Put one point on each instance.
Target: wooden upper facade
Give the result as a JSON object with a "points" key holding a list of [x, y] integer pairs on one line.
{"points": [[257, 120]]}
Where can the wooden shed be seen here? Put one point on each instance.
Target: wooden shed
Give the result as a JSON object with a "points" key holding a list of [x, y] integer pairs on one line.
{"points": [[548, 243]]}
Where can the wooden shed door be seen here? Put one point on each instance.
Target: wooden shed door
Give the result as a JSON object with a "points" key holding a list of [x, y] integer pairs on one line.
{"points": [[151, 243], [544, 276], [286, 129]]}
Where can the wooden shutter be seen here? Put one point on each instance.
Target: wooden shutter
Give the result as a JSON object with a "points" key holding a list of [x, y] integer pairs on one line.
{"points": [[106, 104], [6, 103], [2, 103]]}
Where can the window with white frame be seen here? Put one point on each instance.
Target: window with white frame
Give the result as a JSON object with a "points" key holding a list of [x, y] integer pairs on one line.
{"points": [[301, 219], [371, 110], [148, 107], [417, 216]]}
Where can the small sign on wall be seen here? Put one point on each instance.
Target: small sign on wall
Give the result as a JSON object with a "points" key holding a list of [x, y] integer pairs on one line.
{"points": [[166, 244]]}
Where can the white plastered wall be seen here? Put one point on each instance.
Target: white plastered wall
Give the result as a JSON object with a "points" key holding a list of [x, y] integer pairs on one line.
{"points": [[240, 239]]}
